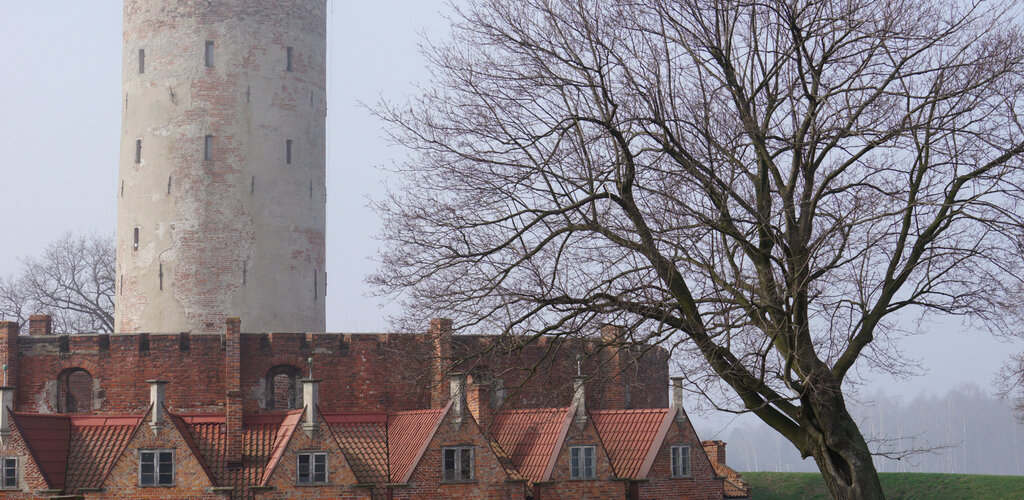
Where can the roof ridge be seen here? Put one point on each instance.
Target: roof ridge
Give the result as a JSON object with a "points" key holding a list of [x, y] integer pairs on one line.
{"points": [[285, 432], [124, 444], [186, 434], [426, 441]]}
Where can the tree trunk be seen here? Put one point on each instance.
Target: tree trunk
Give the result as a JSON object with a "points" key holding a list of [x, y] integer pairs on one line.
{"points": [[838, 447]]}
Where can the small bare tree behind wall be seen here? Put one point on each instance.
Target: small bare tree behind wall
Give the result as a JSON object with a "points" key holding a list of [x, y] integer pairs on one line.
{"points": [[72, 280], [768, 189]]}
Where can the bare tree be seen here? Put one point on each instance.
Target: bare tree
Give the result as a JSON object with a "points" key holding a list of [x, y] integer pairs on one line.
{"points": [[1010, 383], [73, 281], [768, 189]]}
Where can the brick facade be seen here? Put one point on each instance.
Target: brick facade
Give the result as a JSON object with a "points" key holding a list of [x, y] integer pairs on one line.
{"points": [[235, 377]]}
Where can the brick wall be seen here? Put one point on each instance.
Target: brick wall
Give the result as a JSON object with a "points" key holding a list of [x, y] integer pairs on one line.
{"points": [[369, 372]]}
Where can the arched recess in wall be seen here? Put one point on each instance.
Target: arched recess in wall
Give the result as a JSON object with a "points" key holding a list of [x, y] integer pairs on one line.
{"points": [[74, 391], [282, 385]]}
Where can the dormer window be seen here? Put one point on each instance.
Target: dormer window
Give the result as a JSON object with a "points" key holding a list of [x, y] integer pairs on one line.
{"points": [[458, 463], [680, 461], [156, 468], [312, 468], [581, 462]]}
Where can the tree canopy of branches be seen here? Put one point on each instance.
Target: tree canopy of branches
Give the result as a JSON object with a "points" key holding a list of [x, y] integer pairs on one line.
{"points": [[73, 281], [768, 189]]}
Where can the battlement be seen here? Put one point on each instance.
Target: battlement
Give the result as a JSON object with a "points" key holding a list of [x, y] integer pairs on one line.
{"points": [[108, 373]]}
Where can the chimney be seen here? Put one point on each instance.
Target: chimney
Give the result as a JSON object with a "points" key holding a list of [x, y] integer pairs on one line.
{"points": [[715, 451], [579, 400], [6, 406], [157, 399], [40, 324], [9, 331], [311, 399], [440, 334], [478, 401], [677, 397], [233, 386], [614, 363], [457, 389]]}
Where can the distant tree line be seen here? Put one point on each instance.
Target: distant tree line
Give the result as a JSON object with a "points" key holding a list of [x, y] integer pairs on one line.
{"points": [[965, 431]]}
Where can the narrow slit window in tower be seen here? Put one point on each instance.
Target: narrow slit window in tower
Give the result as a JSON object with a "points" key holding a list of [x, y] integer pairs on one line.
{"points": [[138, 150], [311, 188], [135, 239], [209, 54], [245, 272], [315, 290], [288, 151], [168, 185], [288, 65], [208, 148], [122, 188], [142, 61], [161, 274], [252, 185]]}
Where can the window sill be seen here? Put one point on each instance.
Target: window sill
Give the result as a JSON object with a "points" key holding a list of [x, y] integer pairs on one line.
{"points": [[305, 485], [468, 481]]}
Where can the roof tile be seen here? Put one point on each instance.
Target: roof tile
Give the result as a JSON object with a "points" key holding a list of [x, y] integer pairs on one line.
{"points": [[528, 438], [627, 436]]}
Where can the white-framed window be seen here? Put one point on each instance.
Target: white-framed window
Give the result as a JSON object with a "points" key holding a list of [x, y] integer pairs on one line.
{"points": [[457, 463], [10, 473], [311, 468], [156, 467], [680, 461], [581, 462]]}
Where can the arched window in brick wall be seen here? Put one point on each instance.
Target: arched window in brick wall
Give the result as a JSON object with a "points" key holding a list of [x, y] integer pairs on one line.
{"points": [[282, 385], [74, 391]]}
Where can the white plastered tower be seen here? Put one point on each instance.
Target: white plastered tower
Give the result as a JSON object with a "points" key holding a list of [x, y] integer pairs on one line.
{"points": [[221, 188]]}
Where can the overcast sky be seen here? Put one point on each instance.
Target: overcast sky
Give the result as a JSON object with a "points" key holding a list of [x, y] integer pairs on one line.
{"points": [[60, 133]]}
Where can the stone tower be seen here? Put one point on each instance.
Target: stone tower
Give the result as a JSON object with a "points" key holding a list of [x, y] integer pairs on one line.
{"points": [[221, 198]]}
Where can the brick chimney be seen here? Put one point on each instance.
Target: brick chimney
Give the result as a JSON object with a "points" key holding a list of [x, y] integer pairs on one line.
{"points": [[478, 402], [715, 451], [233, 385], [614, 364], [158, 400], [440, 333], [579, 400], [311, 399], [40, 324], [9, 331]]}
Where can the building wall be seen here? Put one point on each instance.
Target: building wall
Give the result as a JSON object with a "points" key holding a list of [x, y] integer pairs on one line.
{"points": [[702, 484], [189, 478], [240, 233], [360, 372], [491, 480], [603, 487]]}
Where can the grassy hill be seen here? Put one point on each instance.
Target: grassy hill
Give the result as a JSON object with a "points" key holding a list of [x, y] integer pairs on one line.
{"points": [[902, 486]]}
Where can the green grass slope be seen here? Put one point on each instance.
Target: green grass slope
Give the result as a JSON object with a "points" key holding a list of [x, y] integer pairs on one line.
{"points": [[902, 486]]}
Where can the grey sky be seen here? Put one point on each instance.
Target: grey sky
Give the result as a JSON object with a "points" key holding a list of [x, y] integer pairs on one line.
{"points": [[60, 136]]}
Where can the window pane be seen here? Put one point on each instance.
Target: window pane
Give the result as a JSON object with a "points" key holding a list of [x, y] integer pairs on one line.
{"points": [[147, 478], [166, 477], [166, 459], [466, 469]]}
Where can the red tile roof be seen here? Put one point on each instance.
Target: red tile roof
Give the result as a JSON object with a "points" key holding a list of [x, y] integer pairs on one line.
{"points": [[630, 437], [385, 448], [48, 438], [261, 435], [75, 452], [409, 434], [363, 440], [531, 438]]}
